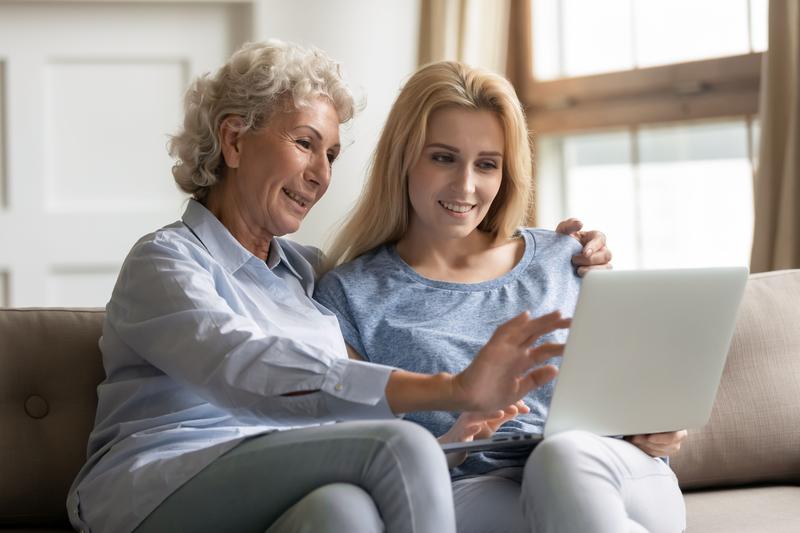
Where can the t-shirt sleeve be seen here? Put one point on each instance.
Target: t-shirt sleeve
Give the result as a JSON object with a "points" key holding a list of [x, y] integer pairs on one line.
{"points": [[330, 293]]}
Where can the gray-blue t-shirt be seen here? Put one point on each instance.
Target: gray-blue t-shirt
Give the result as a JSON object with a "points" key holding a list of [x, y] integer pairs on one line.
{"points": [[391, 315]]}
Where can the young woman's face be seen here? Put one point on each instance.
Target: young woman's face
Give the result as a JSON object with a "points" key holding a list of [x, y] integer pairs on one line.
{"points": [[458, 174]]}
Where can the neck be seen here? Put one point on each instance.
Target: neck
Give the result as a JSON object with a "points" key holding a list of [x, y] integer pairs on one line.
{"points": [[224, 204], [425, 251]]}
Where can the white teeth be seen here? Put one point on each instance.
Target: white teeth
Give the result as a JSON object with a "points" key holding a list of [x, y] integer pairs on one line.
{"points": [[294, 197], [455, 207]]}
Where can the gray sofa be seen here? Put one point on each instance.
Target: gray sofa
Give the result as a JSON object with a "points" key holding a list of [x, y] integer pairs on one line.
{"points": [[741, 473]]}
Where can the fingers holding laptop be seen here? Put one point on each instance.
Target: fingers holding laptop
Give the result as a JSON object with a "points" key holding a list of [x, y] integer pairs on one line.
{"points": [[501, 372], [659, 444]]}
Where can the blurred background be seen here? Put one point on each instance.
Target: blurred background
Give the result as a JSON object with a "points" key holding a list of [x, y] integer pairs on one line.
{"points": [[649, 119]]}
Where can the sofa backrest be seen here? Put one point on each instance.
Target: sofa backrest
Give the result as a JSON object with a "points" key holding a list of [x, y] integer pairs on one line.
{"points": [[753, 435], [50, 367]]}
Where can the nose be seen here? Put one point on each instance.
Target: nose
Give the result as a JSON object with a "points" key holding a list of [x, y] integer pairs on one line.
{"points": [[318, 171], [464, 179]]}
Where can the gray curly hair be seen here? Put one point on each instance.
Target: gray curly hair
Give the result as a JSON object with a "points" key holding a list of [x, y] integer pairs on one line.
{"points": [[254, 81]]}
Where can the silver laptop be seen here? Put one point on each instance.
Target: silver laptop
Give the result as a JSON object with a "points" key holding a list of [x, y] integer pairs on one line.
{"points": [[645, 354]]}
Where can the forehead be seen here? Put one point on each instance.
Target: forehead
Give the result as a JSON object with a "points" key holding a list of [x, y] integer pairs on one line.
{"points": [[466, 126], [318, 113]]}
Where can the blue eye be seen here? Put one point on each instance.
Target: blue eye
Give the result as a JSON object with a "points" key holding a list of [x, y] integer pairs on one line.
{"points": [[442, 158], [487, 165]]}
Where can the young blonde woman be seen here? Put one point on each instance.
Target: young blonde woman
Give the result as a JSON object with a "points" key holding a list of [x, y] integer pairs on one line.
{"points": [[433, 258]]}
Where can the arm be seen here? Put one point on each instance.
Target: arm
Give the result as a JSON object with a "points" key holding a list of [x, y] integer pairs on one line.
{"points": [[499, 375], [659, 444], [166, 309], [471, 424], [595, 254]]}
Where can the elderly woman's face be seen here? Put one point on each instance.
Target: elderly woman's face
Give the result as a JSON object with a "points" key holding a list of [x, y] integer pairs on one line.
{"points": [[284, 167]]}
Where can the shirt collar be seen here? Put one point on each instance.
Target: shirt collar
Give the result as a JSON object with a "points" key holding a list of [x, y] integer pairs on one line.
{"points": [[216, 238], [223, 246], [277, 256]]}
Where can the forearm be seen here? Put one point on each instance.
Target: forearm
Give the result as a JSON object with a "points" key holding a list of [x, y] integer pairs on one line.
{"points": [[408, 391]]}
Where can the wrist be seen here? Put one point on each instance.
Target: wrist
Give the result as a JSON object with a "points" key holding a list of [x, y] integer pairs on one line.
{"points": [[462, 400], [409, 391]]}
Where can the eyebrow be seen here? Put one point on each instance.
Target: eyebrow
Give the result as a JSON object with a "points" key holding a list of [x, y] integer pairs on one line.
{"points": [[317, 134], [456, 150]]}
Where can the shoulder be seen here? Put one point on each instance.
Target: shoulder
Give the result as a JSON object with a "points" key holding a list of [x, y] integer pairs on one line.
{"points": [[359, 276], [301, 255], [548, 242], [371, 265], [174, 242]]}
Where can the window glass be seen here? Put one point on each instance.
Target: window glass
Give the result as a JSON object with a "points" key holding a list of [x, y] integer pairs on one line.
{"points": [[696, 200], [546, 49], [758, 24], [595, 174], [581, 37], [596, 36], [688, 30], [666, 196]]}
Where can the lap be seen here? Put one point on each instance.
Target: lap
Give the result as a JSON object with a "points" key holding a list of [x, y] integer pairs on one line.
{"points": [[489, 503], [252, 485]]}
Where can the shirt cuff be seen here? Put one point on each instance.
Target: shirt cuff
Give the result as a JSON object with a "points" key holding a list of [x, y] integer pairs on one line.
{"points": [[357, 381]]}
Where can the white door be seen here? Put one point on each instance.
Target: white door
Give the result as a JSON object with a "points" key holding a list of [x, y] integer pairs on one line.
{"points": [[88, 95]]}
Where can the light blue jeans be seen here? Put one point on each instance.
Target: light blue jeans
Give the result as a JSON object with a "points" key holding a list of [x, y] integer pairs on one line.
{"points": [[574, 482], [351, 477]]}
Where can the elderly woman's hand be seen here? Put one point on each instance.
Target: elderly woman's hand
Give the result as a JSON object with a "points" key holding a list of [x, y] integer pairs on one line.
{"points": [[595, 254], [659, 444], [500, 374]]}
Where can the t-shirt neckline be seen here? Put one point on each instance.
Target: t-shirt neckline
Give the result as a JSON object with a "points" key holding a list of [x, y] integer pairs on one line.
{"points": [[511, 275]]}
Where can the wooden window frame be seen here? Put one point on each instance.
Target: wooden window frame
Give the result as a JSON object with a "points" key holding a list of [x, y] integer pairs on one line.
{"points": [[705, 89]]}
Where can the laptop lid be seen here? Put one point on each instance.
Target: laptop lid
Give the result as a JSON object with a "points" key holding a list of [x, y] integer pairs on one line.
{"points": [[646, 350]]}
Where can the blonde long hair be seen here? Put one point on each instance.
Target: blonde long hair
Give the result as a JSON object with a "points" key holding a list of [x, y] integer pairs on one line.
{"points": [[382, 212]]}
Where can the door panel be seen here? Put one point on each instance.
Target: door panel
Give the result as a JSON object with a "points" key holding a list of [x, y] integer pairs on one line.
{"points": [[89, 93]]}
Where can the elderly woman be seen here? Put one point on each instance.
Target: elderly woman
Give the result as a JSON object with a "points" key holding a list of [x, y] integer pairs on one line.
{"points": [[222, 373]]}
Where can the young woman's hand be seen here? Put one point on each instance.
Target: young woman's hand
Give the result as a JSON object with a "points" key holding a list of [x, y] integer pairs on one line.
{"points": [[595, 254], [482, 425], [503, 371], [659, 444], [478, 425]]}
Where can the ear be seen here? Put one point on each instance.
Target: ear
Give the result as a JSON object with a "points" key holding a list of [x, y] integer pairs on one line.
{"points": [[230, 138]]}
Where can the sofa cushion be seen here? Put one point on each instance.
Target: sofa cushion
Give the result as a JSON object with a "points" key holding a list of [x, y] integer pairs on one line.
{"points": [[746, 510], [51, 367], [753, 435]]}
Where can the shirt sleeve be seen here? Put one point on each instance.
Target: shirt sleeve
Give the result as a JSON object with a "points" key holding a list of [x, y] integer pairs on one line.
{"points": [[330, 294], [166, 309]]}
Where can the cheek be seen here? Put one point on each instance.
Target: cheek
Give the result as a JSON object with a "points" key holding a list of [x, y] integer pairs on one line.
{"points": [[492, 190], [415, 192]]}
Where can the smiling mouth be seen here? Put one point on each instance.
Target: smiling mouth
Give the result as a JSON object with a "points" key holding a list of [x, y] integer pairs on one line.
{"points": [[299, 200], [457, 208]]}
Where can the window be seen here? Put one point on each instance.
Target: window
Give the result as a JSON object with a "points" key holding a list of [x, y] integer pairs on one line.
{"points": [[643, 114]]}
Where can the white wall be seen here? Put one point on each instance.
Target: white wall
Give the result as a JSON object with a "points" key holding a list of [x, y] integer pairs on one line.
{"points": [[375, 41]]}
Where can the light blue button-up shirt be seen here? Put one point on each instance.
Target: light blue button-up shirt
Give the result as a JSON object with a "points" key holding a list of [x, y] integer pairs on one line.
{"points": [[201, 344]]}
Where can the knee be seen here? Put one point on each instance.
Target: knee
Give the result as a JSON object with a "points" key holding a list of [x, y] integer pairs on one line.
{"points": [[559, 453], [339, 507], [410, 442]]}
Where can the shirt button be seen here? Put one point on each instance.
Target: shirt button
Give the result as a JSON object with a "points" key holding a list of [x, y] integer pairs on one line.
{"points": [[339, 387]]}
